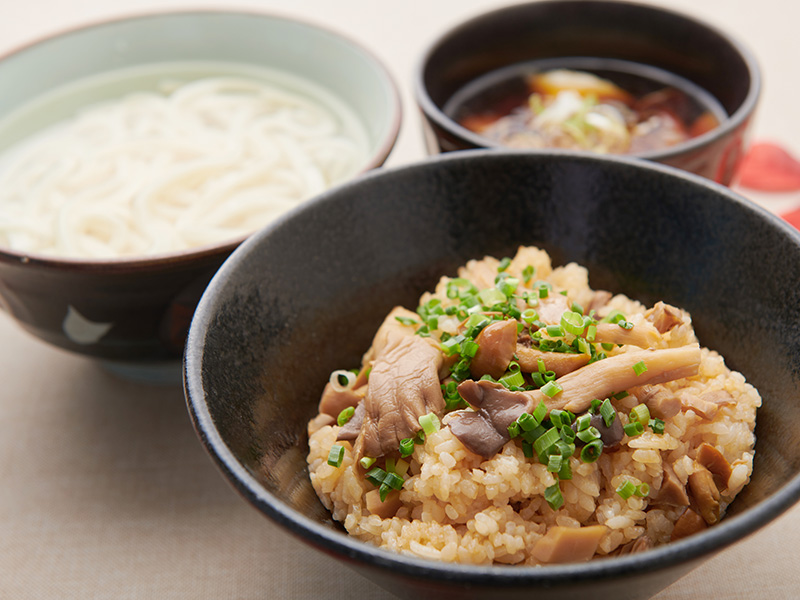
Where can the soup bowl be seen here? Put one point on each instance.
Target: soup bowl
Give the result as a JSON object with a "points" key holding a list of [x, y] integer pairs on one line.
{"points": [[625, 38], [134, 312], [305, 296]]}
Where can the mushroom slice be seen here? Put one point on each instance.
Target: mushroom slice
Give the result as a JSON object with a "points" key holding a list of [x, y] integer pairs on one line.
{"points": [[705, 494], [713, 460], [641, 335], [334, 401], [559, 363], [568, 544], [664, 316], [385, 509], [497, 343], [403, 386], [661, 402], [672, 491], [707, 404], [687, 524], [596, 380], [391, 332]]}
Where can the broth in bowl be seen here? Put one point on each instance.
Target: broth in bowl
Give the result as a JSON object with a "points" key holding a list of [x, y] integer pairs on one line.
{"points": [[600, 105]]}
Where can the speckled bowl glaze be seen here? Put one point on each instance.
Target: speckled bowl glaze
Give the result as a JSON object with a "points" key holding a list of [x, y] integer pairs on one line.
{"points": [[324, 277], [135, 313], [601, 30]]}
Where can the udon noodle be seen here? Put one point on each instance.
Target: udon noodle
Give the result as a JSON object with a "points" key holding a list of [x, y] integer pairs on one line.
{"points": [[206, 161]]}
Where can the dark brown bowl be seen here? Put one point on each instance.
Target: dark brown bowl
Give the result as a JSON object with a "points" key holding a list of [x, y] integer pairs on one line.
{"points": [[141, 307], [597, 30], [300, 299]]}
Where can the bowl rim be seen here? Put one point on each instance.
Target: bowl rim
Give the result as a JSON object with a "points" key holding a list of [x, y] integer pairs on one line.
{"points": [[165, 259], [339, 544], [431, 110]]}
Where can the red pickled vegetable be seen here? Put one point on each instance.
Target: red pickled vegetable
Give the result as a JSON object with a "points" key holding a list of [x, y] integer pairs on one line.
{"points": [[769, 167]]}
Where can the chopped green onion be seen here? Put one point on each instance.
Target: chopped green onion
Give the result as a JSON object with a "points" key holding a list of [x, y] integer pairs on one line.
{"points": [[345, 416], [342, 380], [567, 434], [554, 463], [514, 429], [538, 379], [491, 296], [508, 286], [419, 439], [527, 421], [620, 395], [430, 423], [566, 469], [534, 434], [551, 388], [614, 316], [640, 413], [633, 429], [504, 264], [514, 378], [626, 489], [469, 348], [553, 496], [366, 462], [572, 322], [406, 447], [452, 345], [642, 490], [432, 323], [657, 425], [592, 451], [639, 367], [336, 456], [565, 449], [584, 421], [458, 286], [554, 331], [401, 467], [545, 441], [527, 274], [376, 476], [383, 491], [591, 333], [607, 412], [577, 308], [529, 316], [625, 324], [588, 435], [460, 370], [595, 406], [527, 449], [390, 463], [393, 480], [556, 418], [407, 321], [540, 366], [540, 412]]}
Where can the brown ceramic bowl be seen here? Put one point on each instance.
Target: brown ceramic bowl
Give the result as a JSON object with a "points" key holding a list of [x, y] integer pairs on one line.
{"points": [[596, 35], [136, 312]]}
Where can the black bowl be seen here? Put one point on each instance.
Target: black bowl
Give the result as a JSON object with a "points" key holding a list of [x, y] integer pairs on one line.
{"points": [[305, 296], [599, 33]]}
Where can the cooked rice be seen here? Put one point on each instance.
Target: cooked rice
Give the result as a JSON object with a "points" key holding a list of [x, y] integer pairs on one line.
{"points": [[456, 506]]}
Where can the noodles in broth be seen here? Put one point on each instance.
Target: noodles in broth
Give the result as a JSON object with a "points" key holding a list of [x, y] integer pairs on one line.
{"points": [[206, 161]]}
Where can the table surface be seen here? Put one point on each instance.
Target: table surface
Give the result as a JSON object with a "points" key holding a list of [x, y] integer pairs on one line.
{"points": [[105, 490]]}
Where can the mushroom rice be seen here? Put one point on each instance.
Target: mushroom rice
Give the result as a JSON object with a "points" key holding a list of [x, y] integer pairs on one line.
{"points": [[520, 417]]}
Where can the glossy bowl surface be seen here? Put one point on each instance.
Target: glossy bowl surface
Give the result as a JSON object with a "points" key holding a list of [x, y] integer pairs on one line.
{"points": [[597, 30], [305, 296], [138, 310]]}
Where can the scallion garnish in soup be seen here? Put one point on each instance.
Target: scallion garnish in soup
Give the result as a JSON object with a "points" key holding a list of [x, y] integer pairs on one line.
{"points": [[629, 109]]}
